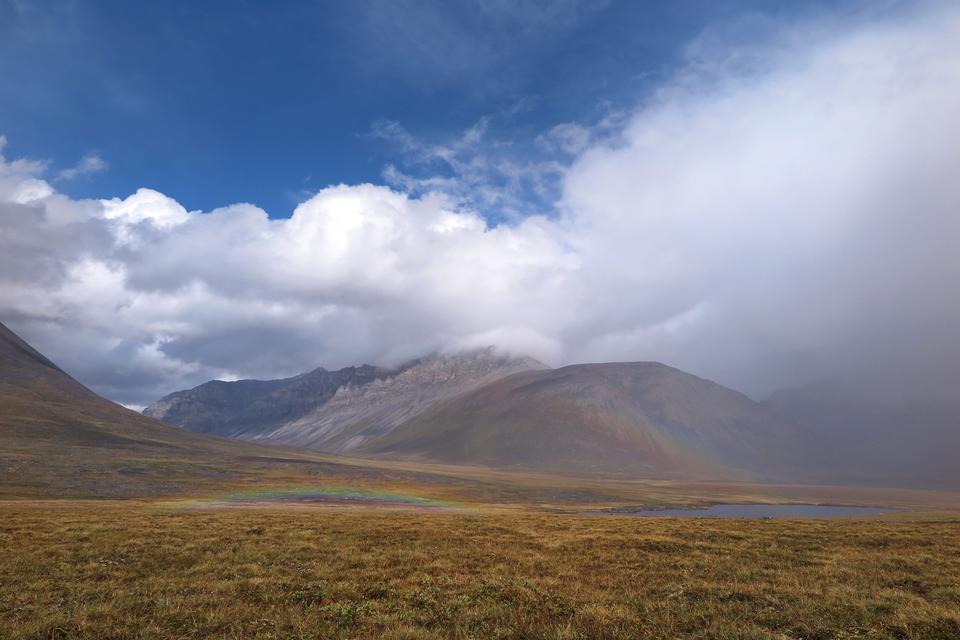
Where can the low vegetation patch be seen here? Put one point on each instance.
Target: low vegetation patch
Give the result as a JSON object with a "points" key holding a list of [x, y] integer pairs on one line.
{"points": [[138, 572]]}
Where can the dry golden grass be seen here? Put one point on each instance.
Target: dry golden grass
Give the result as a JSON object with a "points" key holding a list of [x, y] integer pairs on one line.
{"points": [[133, 570]]}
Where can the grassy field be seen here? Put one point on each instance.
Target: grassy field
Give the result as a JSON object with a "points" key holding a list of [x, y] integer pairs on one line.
{"points": [[140, 570]]}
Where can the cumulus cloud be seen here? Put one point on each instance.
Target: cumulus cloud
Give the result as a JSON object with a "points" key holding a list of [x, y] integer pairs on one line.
{"points": [[760, 223], [138, 297]]}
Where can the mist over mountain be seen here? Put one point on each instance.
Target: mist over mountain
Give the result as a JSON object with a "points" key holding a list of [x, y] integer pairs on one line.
{"points": [[884, 427]]}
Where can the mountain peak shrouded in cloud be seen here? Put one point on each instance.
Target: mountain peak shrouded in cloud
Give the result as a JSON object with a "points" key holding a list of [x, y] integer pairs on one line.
{"points": [[757, 224]]}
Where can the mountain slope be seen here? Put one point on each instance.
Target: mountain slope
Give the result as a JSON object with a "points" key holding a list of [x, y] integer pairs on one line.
{"points": [[333, 411], [640, 419], [38, 401], [58, 438]]}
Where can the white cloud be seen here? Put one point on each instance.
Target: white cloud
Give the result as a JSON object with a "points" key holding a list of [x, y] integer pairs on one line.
{"points": [[146, 206], [762, 225], [800, 208], [88, 165]]}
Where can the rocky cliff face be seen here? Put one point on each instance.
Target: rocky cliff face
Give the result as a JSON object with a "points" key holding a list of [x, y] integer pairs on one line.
{"points": [[333, 410], [247, 408]]}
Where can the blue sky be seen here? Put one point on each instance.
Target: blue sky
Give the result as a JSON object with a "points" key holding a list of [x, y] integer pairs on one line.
{"points": [[218, 102]]}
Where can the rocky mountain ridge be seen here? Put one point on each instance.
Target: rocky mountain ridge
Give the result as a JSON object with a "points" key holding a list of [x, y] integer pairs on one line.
{"points": [[333, 411]]}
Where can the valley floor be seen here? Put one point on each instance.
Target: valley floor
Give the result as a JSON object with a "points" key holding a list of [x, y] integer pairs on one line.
{"points": [[141, 570]]}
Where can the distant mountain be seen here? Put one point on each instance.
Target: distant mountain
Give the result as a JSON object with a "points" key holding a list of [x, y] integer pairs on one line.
{"points": [[334, 411], [639, 419], [58, 438], [251, 408]]}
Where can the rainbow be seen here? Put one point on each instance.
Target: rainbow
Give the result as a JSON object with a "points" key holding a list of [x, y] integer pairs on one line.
{"points": [[317, 497]]}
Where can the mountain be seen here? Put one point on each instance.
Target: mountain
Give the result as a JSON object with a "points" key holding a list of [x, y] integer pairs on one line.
{"points": [[58, 438], [360, 413], [639, 419], [39, 401], [333, 411], [481, 407], [250, 408]]}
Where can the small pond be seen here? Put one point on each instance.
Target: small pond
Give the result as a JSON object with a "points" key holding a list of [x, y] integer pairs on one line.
{"points": [[760, 511]]}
